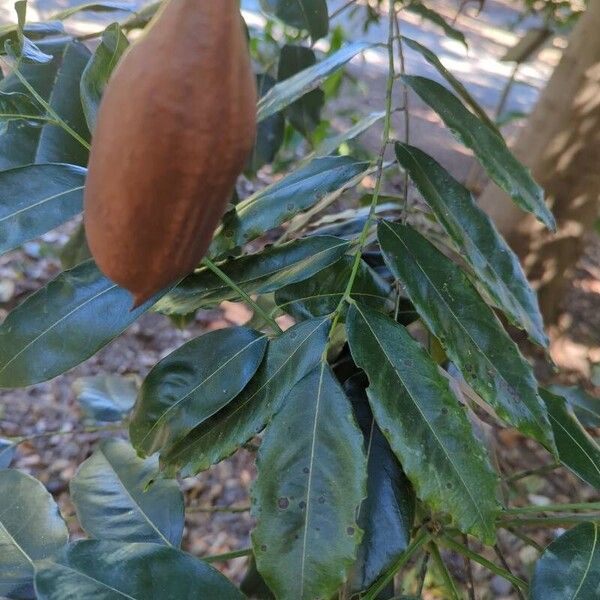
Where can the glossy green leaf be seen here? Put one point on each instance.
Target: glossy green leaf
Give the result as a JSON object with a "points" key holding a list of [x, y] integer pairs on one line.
{"points": [[253, 584], [321, 294], [55, 144], [95, 76], [7, 453], [431, 15], [192, 384], [387, 513], [569, 568], [476, 238], [105, 6], [311, 481], [37, 198], [120, 497], [585, 406], [310, 15], [115, 571], [105, 398], [20, 144], [467, 328], [31, 528], [331, 144], [282, 200], [305, 113], [457, 86], [24, 50], [490, 148], [426, 427], [76, 250], [16, 106], [288, 359], [288, 91], [576, 449], [270, 132], [260, 273], [62, 325]]}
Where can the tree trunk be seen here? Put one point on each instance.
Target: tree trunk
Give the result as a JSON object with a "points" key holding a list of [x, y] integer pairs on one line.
{"points": [[561, 145]]}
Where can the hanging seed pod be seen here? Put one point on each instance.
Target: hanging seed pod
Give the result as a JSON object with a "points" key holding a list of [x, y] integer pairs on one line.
{"points": [[174, 131]]}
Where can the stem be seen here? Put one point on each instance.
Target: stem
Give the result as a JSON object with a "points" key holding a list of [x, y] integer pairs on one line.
{"points": [[423, 574], [443, 569], [16, 117], [525, 538], [506, 90], [553, 508], [61, 432], [227, 555], [405, 107], [537, 471], [457, 547], [341, 9], [505, 564], [59, 121], [558, 521], [374, 590], [469, 571], [380, 162], [243, 295]]}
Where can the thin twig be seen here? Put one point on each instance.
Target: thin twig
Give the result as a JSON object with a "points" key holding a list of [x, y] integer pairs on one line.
{"points": [[362, 240], [443, 569], [227, 555], [505, 564], [468, 570], [422, 574], [243, 295], [529, 472], [59, 121], [525, 538], [569, 507]]}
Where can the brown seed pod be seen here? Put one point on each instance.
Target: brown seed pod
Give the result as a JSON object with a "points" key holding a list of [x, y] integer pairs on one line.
{"points": [[174, 130]]}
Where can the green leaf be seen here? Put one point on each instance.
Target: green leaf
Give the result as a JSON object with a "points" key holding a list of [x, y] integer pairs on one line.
{"points": [[24, 49], [120, 497], [311, 481], [305, 113], [467, 328], [7, 453], [288, 91], [76, 250], [279, 202], [321, 294], [58, 83], [106, 6], [331, 144], [457, 86], [105, 398], [99, 69], [585, 406], [16, 106], [475, 236], [31, 528], [576, 449], [192, 384], [426, 427], [310, 15], [387, 513], [63, 324], [37, 198], [269, 135], [260, 273], [56, 145], [569, 568], [490, 148], [114, 571], [288, 359], [430, 15]]}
